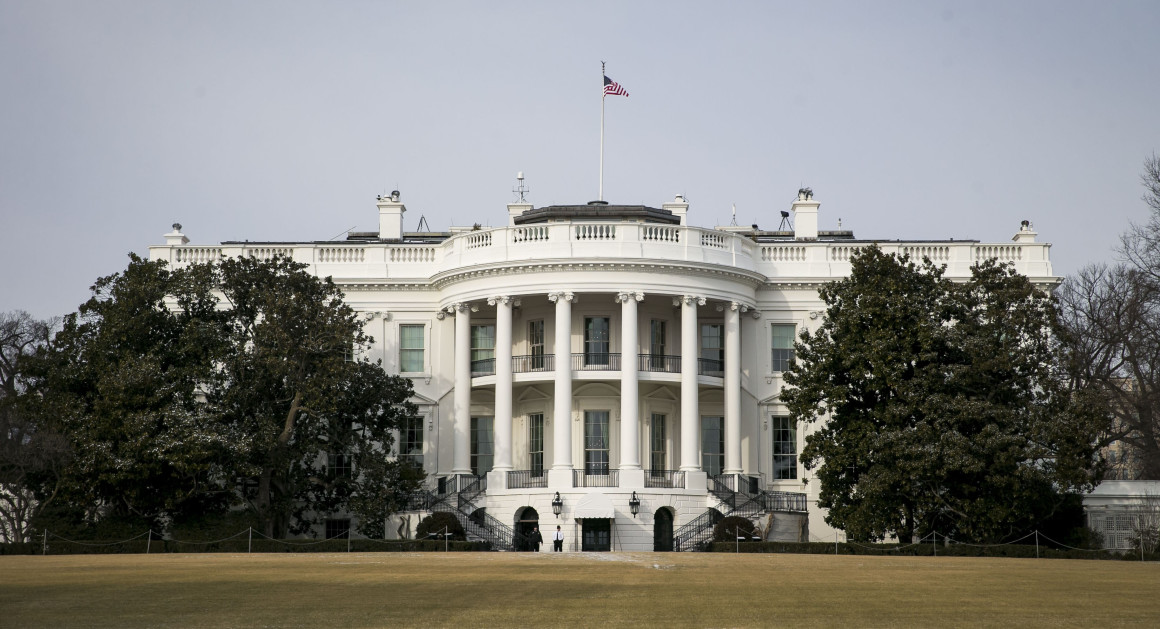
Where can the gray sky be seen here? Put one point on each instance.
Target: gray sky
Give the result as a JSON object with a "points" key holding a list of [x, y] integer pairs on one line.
{"points": [[284, 120]]}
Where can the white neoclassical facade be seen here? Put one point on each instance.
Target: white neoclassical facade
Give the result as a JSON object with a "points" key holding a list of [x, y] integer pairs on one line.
{"points": [[612, 363]]}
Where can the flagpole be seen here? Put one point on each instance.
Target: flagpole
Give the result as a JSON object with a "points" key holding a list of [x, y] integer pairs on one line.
{"points": [[602, 95]]}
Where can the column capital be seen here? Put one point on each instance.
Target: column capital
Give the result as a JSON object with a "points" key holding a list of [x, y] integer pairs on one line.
{"points": [[566, 295], [626, 295], [499, 299], [689, 300], [458, 307]]}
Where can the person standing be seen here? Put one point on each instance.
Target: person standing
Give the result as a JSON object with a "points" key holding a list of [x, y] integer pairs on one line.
{"points": [[558, 540], [537, 539]]}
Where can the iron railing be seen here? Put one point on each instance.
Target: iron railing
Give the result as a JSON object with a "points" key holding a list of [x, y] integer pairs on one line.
{"points": [[784, 501], [533, 363], [596, 361], [662, 363], [711, 367], [483, 367], [697, 533], [523, 479], [596, 478], [674, 479]]}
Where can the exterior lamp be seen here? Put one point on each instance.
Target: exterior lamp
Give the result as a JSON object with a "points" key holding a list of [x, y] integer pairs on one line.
{"points": [[557, 504], [634, 504]]}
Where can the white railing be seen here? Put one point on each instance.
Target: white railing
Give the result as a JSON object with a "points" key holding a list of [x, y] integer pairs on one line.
{"points": [[535, 233], [197, 254], [783, 253], [413, 254], [332, 255], [936, 253], [661, 233], [268, 253], [595, 231], [476, 240], [1002, 253]]}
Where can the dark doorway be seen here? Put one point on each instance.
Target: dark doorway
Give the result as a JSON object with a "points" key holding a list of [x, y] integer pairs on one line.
{"points": [[526, 521], [596, 534], [663, 530]]}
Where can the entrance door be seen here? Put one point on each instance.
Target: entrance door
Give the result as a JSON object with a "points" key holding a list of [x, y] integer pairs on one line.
{"points": [[527, 522], [596, 534], [663, 530]]}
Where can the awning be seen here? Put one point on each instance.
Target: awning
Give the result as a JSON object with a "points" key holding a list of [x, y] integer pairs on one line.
{"points": [[594, 506]]}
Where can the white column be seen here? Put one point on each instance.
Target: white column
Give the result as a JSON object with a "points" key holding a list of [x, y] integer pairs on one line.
{"points": [[690, 406], [462, 399], [503, 382], [629, 398], [562, 409], [733, 388]]}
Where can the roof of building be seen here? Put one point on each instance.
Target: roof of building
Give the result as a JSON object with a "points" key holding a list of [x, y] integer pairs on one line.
{"points": [[597, 210]]}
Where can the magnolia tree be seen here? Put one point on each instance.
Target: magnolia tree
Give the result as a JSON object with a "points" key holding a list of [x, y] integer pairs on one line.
{"points": [[215, 387], [938, 406]]}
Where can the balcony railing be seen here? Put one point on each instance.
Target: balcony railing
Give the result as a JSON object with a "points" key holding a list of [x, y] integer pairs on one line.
{"points": [[597, 477], [595, 361], [524, 479], [711, 367], [533, 363], [674, 479], [660, 363], [485, 367]]}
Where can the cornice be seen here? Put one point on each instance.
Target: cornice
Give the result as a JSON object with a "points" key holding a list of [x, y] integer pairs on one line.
{"points": [[449, 278]]}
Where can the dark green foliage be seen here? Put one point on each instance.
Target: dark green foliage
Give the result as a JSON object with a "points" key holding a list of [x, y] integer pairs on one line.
{"points": [[433, 526], [193, 391], [733, 526], [946, 410]]}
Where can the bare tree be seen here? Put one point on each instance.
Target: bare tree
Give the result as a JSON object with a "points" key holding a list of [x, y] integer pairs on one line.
{"points": [[29, 454], [1110, 318]]}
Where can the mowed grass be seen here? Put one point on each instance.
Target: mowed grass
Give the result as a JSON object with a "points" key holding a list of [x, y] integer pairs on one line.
{"points": [[547, 590]]}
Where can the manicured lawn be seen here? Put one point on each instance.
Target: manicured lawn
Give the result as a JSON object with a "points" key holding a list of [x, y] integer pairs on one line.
{"points": [[546, 590]]}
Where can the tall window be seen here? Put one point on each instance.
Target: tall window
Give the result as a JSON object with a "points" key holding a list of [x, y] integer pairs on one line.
{"points": [[657, 443], [338, 465], [482, 445], [536, 344], [411, 348], [337, 528], [411, 441], [536, 443], [782, 346], [784, 448], [712, 445], [713, 348], [483, 349], [656, 345], [596, 340], [596, 443]]}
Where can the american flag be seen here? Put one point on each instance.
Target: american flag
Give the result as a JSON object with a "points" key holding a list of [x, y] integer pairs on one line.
{"points": [[612, 88]]}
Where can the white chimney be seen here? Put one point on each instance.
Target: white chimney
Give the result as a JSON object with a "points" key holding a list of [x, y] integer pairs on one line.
{"points": [[1026, 233], [175, 237], [516, 209], [679, 207], [805, 216], [391, 216]]}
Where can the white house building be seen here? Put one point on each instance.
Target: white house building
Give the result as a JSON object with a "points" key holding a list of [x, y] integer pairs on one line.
{"points": [[609, 362]]}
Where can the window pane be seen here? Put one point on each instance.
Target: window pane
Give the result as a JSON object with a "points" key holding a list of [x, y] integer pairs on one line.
{"points": [[483, 349], [482, 441], [657, 443], [411, 348], [712, 445], [782, 346], [536, 343], [596, 442], [784, 448], [596, 340], [411, 440], [536, 443]]}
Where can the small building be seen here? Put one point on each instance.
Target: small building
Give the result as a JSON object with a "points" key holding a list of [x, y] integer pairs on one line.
{"points": [[611, 369]]}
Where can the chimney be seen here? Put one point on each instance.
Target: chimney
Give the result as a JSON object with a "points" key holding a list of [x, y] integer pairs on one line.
{"points": [[679, 207], [391, 216], [805, 215], [516, 209], [175, 237], [1026, 232]]}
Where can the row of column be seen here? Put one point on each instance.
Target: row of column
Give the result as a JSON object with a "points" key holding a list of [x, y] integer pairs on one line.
{"points": [[629, 389]]}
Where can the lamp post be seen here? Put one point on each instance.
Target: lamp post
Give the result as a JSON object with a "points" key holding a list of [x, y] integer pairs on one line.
{"points": [[557, 504], [634, 504]]}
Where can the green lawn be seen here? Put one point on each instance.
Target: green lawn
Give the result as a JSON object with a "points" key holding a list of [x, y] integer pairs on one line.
{"points": [[546, 590]]}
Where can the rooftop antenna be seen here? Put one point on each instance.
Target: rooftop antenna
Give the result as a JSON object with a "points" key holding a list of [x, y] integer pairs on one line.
{"points": [[785, 222], [422, 224], [521, 190], [336, 236], [734, 221]]}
